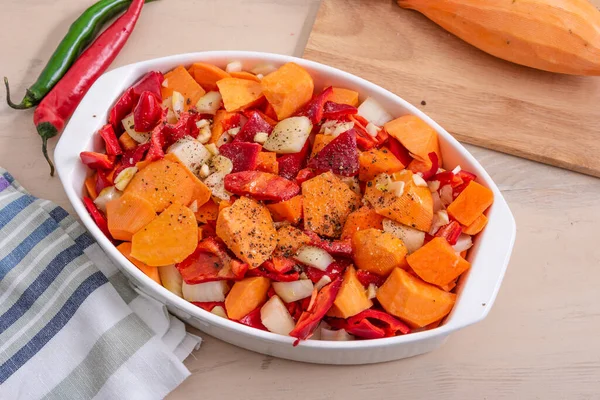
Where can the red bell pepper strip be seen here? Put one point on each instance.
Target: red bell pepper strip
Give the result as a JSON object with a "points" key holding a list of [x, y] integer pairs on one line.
{"points": [[269, 120], [336, 111], [369, 323], [261, 185], [59, 104], [97, 160], [113, 147], [466, 176], [399, 151], [314, 109], [147, 113], [133, 156], [291, 164], [333, 271], [211, 262], [185, 126], [120, 110], [253, 320], [256, 123], [364, 140], [366, 278], [447, 178], [208, 305], [295, 309], [267, 270], [102, 180], [151, 82], [341, 247], [304, 175], [283, 264], [435, 165], [243, 155], [310, 319], [157, 144], [339, 156], [450, 232], [98, 217]]}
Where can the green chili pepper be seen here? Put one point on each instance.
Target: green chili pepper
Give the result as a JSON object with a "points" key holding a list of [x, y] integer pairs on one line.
{"points": [[80, 34]]}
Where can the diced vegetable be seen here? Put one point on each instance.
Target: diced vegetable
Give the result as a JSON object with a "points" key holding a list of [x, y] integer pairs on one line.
{"points": [[129, 125], [246, 295], [207, 212], [376, 161], [344, 96], [476, 226], [288, 89], [243, 155], [181, 81], [352, 297], [471, 203], [204, 292], [239, 94], [293, 291], [314, 109], [314, 257], [377, 252], [288, 210], [105, 196], [412, 238], [339, 156], [151, 272], [127, 215], [437, 262], [289, 135], [255, 124], [363, 218], [276, 317], [372, 111], [190, 153], [207, 75], [209, 103], [463, 243], [289, 240], [415, 135], [125, 176], [267, 162], [261, 185], [171, 279]]}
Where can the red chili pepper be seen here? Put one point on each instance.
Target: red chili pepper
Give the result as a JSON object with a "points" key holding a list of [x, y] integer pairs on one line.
{"points": [[59, 104], [261, 185], [97, 160], [253, 320], [435, 165], [309, 320], [334, 247], [333, 271], [304, 175], [102, 180], [338, 111], [399, 151], [366, 278], [147, 113], [113, 147], [450, 232], [211, 262], [291, 164], [370, 323], [314, 109], [208, 305], [97, 216], [256, 123]]}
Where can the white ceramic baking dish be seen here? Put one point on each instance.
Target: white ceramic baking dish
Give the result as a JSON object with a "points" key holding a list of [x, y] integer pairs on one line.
{"points": [[477, 289]]}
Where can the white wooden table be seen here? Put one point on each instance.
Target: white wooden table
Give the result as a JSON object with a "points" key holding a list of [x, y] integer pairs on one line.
{"points": [[541, 339]]}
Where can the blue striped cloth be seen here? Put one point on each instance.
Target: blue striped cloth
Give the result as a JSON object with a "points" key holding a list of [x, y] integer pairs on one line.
{"points": [[71, 327]]}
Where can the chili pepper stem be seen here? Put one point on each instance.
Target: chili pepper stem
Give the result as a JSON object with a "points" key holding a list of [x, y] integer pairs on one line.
{"points": [[47, 131], [25, 103]]}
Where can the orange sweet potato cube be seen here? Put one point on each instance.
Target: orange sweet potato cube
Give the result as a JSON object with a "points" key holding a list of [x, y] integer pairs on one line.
{"points": [[363, 218], [471, 203], [352, 297], [377, 252], [375, 161], [246, 295], [437, 262], [477, 225]]}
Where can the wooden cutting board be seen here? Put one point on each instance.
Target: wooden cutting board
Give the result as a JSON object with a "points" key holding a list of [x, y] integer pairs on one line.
{"points": [[482, 100]]}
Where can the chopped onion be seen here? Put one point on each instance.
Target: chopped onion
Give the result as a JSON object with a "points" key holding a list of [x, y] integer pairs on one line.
{"points": [[220, 311], [443, 215], [107, 194], [338, 336], [413, 239], [437, 203], [419, 181], [212, 148], [204, 134], [314, 256], [372, 111], [446, 195], [216, 184], [293, 291], [456, 170], [276, 317], [221, 164], [204, 171], [464, 242], [233, 131], [440, 219], [397, 188], [289, 135], [166, 103], [433, 186], [371, 291], [124, 177], [165, 83], [209, 103], [261, 137], [263, 69], [372, 129], [177, 101], [202, 123], [171, 279], [190, 152], [325, 279], [207, 291], [234, 66], [172, 118], [128, 124]]}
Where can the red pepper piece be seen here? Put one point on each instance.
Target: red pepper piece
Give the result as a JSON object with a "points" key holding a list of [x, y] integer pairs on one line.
{"points": [[132, 157], [151, 82], [366, 278], [333, 271], [333, 247], [364, 141], [466, 176], [235, 121], [147, 113], [185, 126], [271, 292], [447, 178], [269, 120], [59, 104], [261, 185], [253, 320], [450, 232], [314, 109], [243, 155], [113, 148], [435, 165], [338, 111], [208, 305], [211, 262], [120, 110], [267, 270], [339, 156], [370, 323], [103, 180], [97, 216], [97, 160], [256, 123], [304, 175], [310, 319], [291, 164], [157, 144], [283, 264]]}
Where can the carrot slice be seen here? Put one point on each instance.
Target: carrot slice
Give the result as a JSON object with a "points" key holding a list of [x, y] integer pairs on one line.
{"points": [[363, 218], [239, 94], [181, 81], [377, 252], [352, 297], [471, 203], [415, 302], [376, 161], [162, 183], [207, 75], [289, 210], [288, 89], [245, 75], [151, 272], [208, 212], [246, 295], [476, 226], [419, 138], [321, 141], [168, 239], [344, 96], [127, 215], [437, 262]]}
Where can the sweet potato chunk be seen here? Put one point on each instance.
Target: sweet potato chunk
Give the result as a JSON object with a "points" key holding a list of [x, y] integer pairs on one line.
{"points": [[127, 215], [415, 302], [208, 212], [377, 252], [419, 138], [246, 295], [221, 117], [207, 75], [152, 272], [181, 81], [475, 227], [344, 96], [289, 210], [288, 89], [267, 162], [321, 141], [363, 218], [437, 263], [327, 203], [471, 203], [201, 193], [375, 161], [239, 94], [352, 297], [247, 229], [289, 240]]}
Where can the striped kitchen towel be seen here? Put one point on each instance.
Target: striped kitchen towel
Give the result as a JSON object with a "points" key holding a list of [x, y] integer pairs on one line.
{"points": [[71, 327]]}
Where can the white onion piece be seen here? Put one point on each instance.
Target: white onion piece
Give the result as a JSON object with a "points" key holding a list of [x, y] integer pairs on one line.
{"points": [[220, 311], [124, 177], [314, 256], [212, 148], [107, 194], [263, 69], [372, 129], [337, 336], [177, 102], [220, 164], [443, 215], [190, 152], [419, 181], [171, 279], [372, 111], [437, 202], [128, 124], [216, 184], [234, 66], [261, 137], [223, 139], [446, 195], [293, 291], [289, 135], [456, 170], [463, 243], [371, 291], [325, 279], [412, 238], [275, 316], [433, 186], [440, 219], [207, 291]]}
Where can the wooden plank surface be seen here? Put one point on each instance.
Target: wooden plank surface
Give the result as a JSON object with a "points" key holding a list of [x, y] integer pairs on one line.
{"points": [[480, 99]]}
